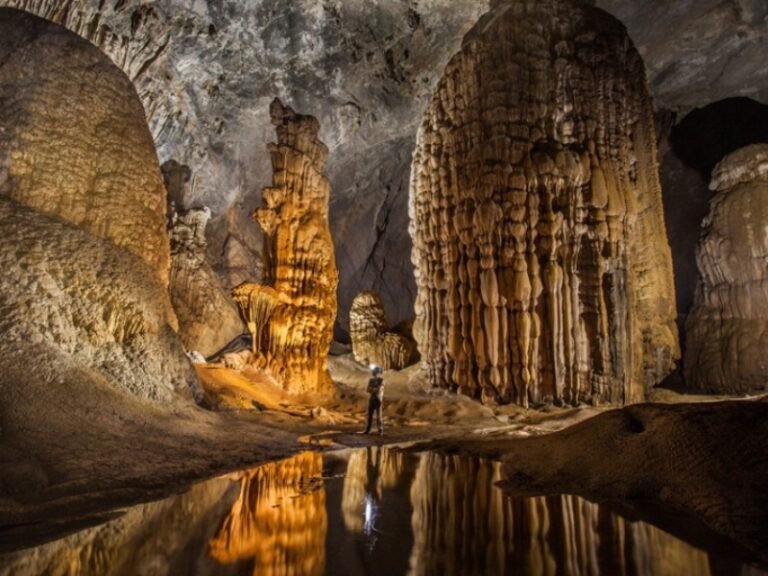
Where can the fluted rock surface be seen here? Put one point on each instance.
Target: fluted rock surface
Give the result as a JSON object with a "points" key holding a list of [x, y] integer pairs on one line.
{"points": [[208, 317], [372, 341], [727, 330], [541, 258], [68, 149], [296, 305], [85, 253]]}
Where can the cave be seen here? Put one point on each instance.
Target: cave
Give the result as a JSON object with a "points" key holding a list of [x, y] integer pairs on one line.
{"points": [[527, 237]]}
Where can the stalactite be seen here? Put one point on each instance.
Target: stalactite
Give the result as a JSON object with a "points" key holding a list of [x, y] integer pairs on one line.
{"points": [[299, 259], [372, 341], [727, 329], [279, 520], [542, 263]]}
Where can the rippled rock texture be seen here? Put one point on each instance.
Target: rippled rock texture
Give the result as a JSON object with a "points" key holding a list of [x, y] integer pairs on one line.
{"points": [[727, 330], [372, 341], [291, 315], [541, 259], [85, 254]]}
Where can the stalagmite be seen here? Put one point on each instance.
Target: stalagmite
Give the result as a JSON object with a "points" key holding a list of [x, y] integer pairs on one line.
{"points": [[299, 259], [208, 318], [727, 329], [372, 341], [542, 263]]}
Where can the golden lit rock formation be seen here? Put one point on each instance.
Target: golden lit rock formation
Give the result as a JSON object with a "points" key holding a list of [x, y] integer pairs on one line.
{"points": [[85, 159], [541, 256], [208, 317], [727, 329], [82, 216], [279, 519], [372, 342], [299, 303]]}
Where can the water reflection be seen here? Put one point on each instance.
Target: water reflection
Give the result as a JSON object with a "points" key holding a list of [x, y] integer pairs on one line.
{"points": [[279, 521], [371, 511]]}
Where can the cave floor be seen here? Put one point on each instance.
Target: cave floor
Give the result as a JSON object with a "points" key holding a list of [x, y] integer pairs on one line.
{"points": [[92, 468]]}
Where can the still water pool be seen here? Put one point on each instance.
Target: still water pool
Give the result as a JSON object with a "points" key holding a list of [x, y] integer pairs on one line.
{"points": [[371, 511]]}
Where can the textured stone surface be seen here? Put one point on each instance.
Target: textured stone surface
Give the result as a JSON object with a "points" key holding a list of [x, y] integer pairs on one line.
{"points": [[83, 308], [208, 317], [78, 169], [75, 142], [296, 304], [372, 341], [206, 71], [541, 259], [727, 330]]}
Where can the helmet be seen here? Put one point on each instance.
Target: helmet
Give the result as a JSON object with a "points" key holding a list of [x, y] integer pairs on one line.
{"points": [[375, 370]]}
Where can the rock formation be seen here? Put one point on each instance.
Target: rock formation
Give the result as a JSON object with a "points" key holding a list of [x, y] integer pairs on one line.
{"points": [[541, 258], [208, 317], [206, 72], [372, 342], [727, 329], [88, 161], [297, 303], [85, 254]]}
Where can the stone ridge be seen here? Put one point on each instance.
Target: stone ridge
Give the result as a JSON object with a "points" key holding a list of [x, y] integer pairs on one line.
{"points": [[541, 258]]}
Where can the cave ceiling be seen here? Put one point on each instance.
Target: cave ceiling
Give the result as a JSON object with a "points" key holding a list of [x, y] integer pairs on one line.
{"points": [[206, 72]]}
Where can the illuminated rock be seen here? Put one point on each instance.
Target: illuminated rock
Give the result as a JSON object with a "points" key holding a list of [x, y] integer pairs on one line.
{"points": [[372, 342], [727, 329], [82, 215], [75, 141], [299, 259], [541, 257], [208, 317], [279, 520]]}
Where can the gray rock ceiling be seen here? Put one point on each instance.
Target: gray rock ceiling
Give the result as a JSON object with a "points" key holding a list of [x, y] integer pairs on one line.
{"points": [[207, 70]]}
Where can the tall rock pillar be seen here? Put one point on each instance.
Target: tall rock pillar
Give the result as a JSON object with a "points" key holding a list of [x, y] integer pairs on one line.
{"points": [[291, 318], [542, 261]]}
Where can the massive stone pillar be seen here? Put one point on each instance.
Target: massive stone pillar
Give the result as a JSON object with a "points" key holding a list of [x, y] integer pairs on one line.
{"points": [[727, 330], [541, 257], [295, 310]]}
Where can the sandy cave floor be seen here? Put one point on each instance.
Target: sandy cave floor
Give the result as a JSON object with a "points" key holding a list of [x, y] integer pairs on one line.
{"points": [[46, 491]]}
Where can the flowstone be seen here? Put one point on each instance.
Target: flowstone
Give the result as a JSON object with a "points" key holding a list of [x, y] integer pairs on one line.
{"points": [[542, 262]]}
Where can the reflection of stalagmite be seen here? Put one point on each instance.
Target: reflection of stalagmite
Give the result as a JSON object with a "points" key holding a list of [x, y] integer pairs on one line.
{"points": [[369, 473], [277, 521], [299, 259], [372, 342], [463, 524], [542, 263]]}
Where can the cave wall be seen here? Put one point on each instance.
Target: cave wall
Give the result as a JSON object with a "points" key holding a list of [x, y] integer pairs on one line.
{"points": [[541, 258]]}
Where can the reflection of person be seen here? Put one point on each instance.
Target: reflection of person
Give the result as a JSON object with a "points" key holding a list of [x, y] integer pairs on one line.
{"points": [[376, 392], [372, 494]]}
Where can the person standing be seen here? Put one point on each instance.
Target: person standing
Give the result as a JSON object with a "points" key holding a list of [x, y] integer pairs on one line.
{"points": [[376, 399]]}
